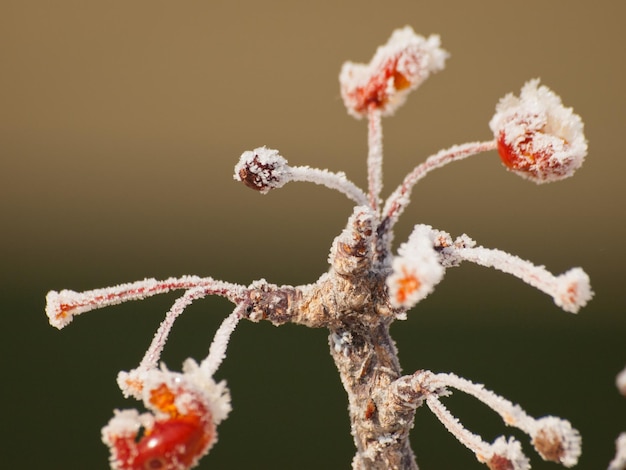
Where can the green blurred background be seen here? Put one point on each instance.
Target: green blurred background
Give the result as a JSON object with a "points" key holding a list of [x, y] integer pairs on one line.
{"points": [[120, 123]]}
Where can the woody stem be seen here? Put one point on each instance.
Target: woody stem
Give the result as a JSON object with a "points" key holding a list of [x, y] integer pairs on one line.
{"points": [[367, 362]]}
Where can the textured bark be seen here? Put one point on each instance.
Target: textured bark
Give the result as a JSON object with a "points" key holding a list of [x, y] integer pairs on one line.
{"points": [[351, 300], [368, 365], [357, 314]]}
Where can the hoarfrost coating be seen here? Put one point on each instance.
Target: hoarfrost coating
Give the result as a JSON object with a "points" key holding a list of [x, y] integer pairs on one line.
{"points": [[396, 69], [365, 289], [538, 138]]}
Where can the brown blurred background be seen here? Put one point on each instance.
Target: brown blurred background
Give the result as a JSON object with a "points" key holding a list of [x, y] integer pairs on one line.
{"points": [[120, 123]]}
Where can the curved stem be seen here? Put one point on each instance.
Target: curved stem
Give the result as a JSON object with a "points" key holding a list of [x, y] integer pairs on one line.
{"points": [[63, 306], [217, 350], [151, 358], [337, 181], [399, 199], [570, 290]]}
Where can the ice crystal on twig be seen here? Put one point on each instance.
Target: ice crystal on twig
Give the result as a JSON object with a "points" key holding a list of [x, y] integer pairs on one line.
{"points": [[553, 438], [400, 198], [382, 86], [365, 289], [264, 169]]}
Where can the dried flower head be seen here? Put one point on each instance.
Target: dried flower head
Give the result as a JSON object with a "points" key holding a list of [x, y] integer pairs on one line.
{"points": [[398, 67], [538, 138]]}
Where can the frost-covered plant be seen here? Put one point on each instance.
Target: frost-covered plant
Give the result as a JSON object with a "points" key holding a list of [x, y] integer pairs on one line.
{"points": [[364, 291]]}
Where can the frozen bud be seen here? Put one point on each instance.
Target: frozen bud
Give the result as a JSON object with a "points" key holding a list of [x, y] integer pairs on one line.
{"points": [[557, 441], [538, 138], [507, 455], [262, 169], [573, 290], [181, 428], [398, 67], [416, 270]]}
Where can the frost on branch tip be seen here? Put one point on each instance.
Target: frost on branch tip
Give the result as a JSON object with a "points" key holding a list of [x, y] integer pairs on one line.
{"points": [[538, 138], [507, 455], [262, 169], [556, 440], [181, 428], [571, 290], [398, 67], [415, 270], [553, 438]]}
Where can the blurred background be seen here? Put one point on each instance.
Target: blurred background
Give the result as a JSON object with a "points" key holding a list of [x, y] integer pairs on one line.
{"points": [[120, 124]]}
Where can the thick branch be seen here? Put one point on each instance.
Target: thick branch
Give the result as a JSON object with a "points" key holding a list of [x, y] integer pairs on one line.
{"points": [[367, 362]]}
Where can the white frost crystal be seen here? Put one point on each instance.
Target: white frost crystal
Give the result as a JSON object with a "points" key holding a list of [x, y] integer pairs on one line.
{"points": [[397, 68], [416, 270], [262, 169], [538, 138]]}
